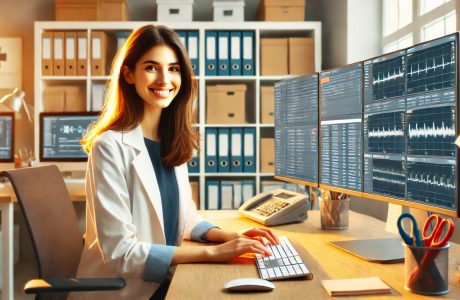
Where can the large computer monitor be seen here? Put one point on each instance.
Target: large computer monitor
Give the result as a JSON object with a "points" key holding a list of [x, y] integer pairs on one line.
{"points": [[340, 105], [384, 99], [296, 129], [411, 122], [6, 136], [387, 127], [60, 135]]}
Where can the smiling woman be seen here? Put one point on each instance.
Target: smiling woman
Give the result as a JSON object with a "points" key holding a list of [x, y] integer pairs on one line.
{"points": [[139, 205]]}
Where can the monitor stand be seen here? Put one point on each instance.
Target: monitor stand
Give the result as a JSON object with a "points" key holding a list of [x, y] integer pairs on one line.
{"points": [[384, 251]]}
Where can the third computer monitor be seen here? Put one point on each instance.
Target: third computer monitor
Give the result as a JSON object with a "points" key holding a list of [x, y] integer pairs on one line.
{"points": [[60, 135]]}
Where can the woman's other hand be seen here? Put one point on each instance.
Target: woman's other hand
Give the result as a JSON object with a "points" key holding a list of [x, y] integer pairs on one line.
{"points": [[258, 232]]}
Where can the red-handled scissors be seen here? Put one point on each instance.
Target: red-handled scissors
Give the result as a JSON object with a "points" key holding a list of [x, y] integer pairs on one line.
{"points": [[443, 228]]}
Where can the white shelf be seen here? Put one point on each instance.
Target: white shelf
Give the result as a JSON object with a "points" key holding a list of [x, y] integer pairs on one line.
{"points": [[261, 29]]}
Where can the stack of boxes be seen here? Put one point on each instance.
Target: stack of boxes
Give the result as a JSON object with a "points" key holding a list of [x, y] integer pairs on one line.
{"points": [[228, 11], [281, 10], [226, 104], [293, 55], [174, 10], [91, 10]]}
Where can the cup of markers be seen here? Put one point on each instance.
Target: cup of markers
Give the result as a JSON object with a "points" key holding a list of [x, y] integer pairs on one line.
{"points": [[426, 255], [334, 210]]}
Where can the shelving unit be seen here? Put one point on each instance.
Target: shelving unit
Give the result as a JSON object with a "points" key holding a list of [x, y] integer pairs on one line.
{"points": [[261, 29]]}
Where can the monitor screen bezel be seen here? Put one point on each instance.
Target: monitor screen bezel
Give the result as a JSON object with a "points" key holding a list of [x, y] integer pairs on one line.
{"points": [[43, 115], [9, 114]]}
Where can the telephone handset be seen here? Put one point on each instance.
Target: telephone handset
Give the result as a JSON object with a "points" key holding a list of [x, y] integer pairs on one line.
{"points": [[276, 207]]}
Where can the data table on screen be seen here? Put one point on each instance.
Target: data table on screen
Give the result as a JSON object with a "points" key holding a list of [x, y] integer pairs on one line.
{"points": [[341, 127]]}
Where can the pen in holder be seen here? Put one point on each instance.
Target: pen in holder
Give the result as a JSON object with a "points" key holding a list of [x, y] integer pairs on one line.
{"points": [[334, 213], [426, 269]]}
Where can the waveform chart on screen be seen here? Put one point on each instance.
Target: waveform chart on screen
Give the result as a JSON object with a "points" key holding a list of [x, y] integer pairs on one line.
{"points": [[388, 78], [432, 182], [431, 68], [385, 133], [385, 174], [431, 131]]}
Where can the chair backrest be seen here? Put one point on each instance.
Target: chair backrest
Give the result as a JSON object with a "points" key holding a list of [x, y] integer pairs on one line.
{"points": [[50, 218]]}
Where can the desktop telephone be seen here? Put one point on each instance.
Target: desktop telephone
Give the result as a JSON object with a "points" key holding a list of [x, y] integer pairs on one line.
{"points": [[276, 207]]}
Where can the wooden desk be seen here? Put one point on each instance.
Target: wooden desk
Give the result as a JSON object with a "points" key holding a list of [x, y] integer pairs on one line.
{"points": [[206, 281], [76, 188]]}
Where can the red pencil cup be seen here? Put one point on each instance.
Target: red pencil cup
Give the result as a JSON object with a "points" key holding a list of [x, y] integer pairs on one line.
{"points": [[426, 269]]}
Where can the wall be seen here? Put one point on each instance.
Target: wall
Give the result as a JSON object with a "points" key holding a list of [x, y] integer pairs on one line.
{"points": [[364, 27], [334, 30]]}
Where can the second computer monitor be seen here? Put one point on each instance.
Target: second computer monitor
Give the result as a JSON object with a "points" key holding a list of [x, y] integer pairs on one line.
{"points": [[60, 135], [6, 136], [340, 105]]}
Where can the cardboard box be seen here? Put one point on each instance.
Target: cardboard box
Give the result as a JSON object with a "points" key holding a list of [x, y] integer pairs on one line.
{"points": [[225, 104], [75, 10], [54, 99], [64, 98], [281, 10], [267, 155], [196, 192], [75, 98], [112, 10], [301, 56], [274, 56], [267, 104], [175, 10], [228, 11]]}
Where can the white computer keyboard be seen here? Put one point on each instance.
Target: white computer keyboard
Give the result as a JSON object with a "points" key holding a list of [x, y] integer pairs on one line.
{"points": [[284, 263]]}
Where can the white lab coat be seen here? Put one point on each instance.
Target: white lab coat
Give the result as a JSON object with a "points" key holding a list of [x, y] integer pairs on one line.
{"points": [[124, 214]]}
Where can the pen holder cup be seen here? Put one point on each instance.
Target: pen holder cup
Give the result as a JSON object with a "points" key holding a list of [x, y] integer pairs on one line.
{"points": [[426, 269], [334, 213]]}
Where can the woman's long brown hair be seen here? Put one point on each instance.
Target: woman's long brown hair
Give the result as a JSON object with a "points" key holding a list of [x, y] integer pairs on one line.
{"points": [[123, 108]]}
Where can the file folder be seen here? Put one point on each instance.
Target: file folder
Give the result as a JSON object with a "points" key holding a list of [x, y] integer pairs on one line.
{"points": [[211, 55], [249, 141], [47, 53], [236, 155], [237, 194], [212, 194], [226, 195], [235, 53], [70, 54], [193, 50], [82, 50], [211, 150], [223, 55], [98, 53], [193, 164], [248, 189], [121, 37], [183, 37], [224, 151], [58, 53], [97, 96], [248, 53]]}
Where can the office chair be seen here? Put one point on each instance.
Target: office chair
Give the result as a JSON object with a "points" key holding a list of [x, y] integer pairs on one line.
{"points": [[56, 239]]}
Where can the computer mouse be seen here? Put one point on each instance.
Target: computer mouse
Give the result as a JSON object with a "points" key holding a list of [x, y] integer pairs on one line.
{"points": [[249, 284]]}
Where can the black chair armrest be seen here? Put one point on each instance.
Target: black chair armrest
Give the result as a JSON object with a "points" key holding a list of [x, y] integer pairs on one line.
{"points": [[49, 285]]}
